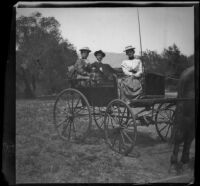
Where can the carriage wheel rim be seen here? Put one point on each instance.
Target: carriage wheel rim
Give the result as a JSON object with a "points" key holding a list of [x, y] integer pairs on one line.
{"points": [[121, 129], [97, 115], [73, 116], [168, 124]]}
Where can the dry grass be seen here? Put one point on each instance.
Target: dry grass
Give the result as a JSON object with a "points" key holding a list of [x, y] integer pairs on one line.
{"points": [[42, 157]]}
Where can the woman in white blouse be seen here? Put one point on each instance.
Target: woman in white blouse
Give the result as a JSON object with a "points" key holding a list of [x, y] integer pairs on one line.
{"points": [[130, 85]]}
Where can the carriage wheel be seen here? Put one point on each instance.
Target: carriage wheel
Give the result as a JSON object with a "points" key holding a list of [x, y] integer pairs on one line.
{"points": [[164, 121], [72, 115], [99, 114], [120, 131]]}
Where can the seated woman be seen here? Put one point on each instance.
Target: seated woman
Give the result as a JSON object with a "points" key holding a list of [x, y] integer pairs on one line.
{"points": [[81, 67], [99, 71], [130, 85]]}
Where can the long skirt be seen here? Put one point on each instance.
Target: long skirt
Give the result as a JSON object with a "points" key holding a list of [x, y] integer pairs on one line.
{"points": [[130, 88]]}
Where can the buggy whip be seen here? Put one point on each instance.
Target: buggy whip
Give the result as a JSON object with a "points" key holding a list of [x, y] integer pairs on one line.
{"points": [[140, 40]]}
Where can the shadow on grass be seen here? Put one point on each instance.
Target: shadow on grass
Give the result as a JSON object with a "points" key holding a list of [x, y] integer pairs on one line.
{"points": [[146, 140]]}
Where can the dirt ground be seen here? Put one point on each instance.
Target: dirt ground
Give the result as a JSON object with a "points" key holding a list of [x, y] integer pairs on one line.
{"points": [[42, 157]]}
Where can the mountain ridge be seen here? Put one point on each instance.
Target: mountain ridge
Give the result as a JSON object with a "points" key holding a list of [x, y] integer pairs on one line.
{"points": [[111, 58]]}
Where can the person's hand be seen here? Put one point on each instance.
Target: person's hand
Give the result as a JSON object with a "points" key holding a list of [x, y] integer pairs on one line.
{"points": [[133, 71]]}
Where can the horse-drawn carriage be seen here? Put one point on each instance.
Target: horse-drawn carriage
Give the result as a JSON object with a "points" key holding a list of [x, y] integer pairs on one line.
{"points": [[76, 107]]}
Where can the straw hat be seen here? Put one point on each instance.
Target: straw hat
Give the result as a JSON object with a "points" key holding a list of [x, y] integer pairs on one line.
{"points": [[129, 48], [85, 49]]}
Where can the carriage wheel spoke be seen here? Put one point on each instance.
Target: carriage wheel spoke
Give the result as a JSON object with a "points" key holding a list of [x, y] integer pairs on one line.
{"points": [[69, 104], [61, 110], [72, 101], [123, 140], [127, 136], [163, 117], [60, 123], [123, 115], [170, 116], [73, 126], [129, 123], [111, 121], [77, 103], [119, 113], [101, 124], [163, 128], [114, 118], [65, 127], [79, 110], [69, 131], [167, 131]]}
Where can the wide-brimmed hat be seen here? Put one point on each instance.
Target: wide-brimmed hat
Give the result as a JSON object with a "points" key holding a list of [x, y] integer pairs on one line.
{"points": [[100, 52], [85, 49], [129, 48]]}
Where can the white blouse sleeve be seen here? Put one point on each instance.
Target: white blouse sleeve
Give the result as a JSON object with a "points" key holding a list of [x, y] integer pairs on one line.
{"points": [[139, 72], [126, 69]]}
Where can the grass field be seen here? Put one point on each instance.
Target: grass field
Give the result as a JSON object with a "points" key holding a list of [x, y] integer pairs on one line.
{"points": [[42, 157]]}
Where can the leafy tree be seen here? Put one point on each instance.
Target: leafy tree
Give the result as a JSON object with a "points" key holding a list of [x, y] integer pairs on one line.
{"points": [[190, 60], [42, 54], [171, 63], [153, 62], [176, 61]]}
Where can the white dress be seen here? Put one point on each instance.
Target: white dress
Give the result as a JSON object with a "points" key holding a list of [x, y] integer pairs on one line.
{"points": [[128, 66], [130, 85]]}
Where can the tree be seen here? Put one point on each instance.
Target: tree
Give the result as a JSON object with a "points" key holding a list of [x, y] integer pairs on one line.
{"points": [[175, 61], [171, 62], [153, 62], [190, 60], [42, 54]]}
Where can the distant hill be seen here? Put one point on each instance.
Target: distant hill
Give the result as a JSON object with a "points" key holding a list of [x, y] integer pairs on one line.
{"points": [[113, 59]]}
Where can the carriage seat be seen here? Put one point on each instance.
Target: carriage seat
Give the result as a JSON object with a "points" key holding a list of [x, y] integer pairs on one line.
{"points": [[153, 85], [107, 82]]}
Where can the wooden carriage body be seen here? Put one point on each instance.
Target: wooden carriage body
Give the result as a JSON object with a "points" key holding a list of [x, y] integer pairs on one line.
{"points": [[101, 94]]}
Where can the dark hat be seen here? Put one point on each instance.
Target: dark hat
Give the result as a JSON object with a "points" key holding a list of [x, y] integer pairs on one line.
{"points": [[85, 49], [100, 52]]}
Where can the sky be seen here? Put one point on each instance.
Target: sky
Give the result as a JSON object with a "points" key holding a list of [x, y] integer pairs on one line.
{"points": [[111, 29]]}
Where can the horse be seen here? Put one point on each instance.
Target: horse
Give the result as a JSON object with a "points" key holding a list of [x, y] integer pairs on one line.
{"points": [[184, 121]]}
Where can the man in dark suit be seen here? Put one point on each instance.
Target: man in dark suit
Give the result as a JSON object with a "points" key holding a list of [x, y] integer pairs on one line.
{"points": [[100, 70]]}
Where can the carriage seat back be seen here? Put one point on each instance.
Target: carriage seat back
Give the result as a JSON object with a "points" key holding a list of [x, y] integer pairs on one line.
{"points": [[153, 84]]}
